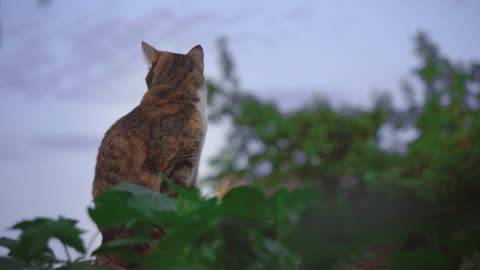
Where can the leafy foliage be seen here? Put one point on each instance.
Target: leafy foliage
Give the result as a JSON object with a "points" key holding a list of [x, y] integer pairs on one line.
{"points": [[339, 151], [323, 192], [31, 250]]}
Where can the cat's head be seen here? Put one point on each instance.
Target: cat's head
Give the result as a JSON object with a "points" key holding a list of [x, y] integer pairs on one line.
{"points": [[174, 69]]}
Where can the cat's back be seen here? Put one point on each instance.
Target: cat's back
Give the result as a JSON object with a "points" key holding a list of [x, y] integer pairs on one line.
{"points": [[164, 134], [121, 152], [161, 138]]}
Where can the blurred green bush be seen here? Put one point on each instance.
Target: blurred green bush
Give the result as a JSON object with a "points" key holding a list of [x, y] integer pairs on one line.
{"points": [[336, 195]]}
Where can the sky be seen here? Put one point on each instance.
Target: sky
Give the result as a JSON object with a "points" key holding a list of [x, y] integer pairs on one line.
{"points": [[69, 69]]}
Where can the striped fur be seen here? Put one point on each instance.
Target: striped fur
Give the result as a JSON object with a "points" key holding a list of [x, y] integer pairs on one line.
{"points": [[163, 135]]}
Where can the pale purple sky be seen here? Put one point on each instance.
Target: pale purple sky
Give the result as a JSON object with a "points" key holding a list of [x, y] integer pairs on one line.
{"points": [[68, 70]]}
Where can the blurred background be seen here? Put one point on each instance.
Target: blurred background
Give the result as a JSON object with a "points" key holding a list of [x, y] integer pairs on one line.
{"points": [[331, 93]]}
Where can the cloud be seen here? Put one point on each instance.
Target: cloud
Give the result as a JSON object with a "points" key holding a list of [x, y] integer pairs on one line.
{"points": [[74, 58], [66, 142]]}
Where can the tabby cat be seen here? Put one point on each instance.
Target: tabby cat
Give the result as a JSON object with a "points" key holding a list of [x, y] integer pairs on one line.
{"points": [[161, 137]]}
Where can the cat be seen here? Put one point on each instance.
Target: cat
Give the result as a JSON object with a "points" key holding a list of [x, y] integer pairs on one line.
{"points": [[161, 137], [165, 133]]}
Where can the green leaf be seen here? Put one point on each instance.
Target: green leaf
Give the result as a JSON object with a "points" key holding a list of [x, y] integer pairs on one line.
{"points": [[9, 243], [12, 264], [190, 267], [112, 209], [245, 202], [35, 234], [422, 260], [81, 266], [153, 202], [126, 242], [191, 195], [429, 72], [128, 203], [170, 251], [144, 198]]}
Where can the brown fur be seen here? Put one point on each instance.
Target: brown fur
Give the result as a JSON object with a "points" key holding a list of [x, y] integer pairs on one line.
{"points": [[161, 136]]}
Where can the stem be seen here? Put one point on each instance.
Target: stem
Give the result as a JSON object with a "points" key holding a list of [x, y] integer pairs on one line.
{"points": [[90, 244], [66, 252]]}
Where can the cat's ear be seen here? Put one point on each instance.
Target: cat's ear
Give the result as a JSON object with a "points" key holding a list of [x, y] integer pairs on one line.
{"points": [[197, 55], [149, 52]]}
